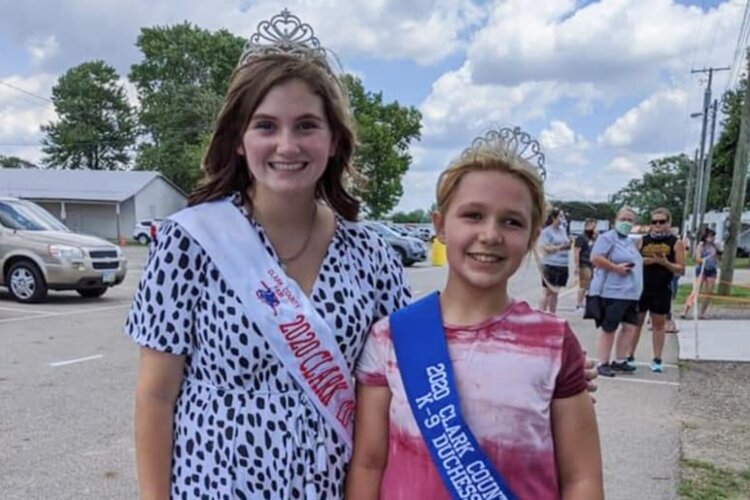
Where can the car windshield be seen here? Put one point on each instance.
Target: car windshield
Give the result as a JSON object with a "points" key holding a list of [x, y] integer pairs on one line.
{"points": [[28, 216], [385, 230]]}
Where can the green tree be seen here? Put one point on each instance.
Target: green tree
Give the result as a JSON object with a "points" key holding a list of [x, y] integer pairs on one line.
{"points": [[418, 215], [384, 131], [181, 83], [722, 165], [580, 210], [96, 126], [663, 186], [15, 162]]}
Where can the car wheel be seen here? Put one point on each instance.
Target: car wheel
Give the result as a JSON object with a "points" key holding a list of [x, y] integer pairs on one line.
{"points": [[401, 255], [143, 239], [92, 293], [26, 283]]}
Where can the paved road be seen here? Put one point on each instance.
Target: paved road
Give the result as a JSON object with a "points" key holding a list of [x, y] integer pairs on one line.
{"points": [[67, 373]]}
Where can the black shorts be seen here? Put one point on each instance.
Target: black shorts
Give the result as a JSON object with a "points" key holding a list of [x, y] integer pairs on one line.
{"points": [[656, 302], [618, 311], [556, 276]]}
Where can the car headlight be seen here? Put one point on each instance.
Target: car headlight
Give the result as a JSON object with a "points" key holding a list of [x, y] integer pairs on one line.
{"points": [[416, 245], [65, 252]]}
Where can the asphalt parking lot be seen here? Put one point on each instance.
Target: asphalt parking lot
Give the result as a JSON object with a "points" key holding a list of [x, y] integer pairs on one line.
{"points": [[67, 374]]}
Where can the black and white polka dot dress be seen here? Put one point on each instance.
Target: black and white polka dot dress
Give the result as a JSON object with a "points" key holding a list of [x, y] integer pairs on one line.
{"points": [[243, 428]]}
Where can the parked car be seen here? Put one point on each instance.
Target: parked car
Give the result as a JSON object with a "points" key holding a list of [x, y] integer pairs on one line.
{"points": [[424, 233], [145, 230], [409, 250], [38, 253]]}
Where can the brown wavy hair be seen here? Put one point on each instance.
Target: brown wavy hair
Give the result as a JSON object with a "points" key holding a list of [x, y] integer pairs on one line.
{"points": [[226, 171]]}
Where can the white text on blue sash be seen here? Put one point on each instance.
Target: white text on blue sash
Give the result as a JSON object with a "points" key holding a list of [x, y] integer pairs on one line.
{"points": [[473, 481]]}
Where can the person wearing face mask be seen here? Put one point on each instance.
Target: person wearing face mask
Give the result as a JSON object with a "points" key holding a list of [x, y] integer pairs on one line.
{"points": [[618, 280], [663, 257], [583, 268]]}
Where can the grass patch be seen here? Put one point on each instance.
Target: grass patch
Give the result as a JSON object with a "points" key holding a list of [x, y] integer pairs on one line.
{"points": [[737, 292], [704, 481]]}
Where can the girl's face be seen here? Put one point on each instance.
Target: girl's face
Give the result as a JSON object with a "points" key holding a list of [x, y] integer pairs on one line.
{"points": [[486, 229], [288, 141]]}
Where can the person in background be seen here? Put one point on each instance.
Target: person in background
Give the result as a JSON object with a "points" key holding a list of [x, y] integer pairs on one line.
{"points": [[618, 280], [707, 270], [555, 246], [663, 257], [582, 260]]}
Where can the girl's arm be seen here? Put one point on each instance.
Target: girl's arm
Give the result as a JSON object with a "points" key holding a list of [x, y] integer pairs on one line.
{"points": [[577, 451], [370, 443], [159, 380], [698, 252]]}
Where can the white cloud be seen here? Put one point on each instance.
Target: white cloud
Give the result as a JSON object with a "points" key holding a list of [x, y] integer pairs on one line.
{"points": [[422, 30], [21, 115], [42, 49], [655, 124], [624, 165], [563, 145], [457, 109], [604, 41]]}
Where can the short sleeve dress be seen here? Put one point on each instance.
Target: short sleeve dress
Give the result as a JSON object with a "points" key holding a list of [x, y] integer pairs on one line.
{"points": [[243, 428]]}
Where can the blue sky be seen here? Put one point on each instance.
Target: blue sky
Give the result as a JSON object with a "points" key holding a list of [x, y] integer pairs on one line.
{"points": [[604, 85]]}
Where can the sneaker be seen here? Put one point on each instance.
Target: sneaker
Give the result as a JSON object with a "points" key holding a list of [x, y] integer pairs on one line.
{"points": [[605, 370], [580, 309], [630, 360], [623, 366], [656, 366]]}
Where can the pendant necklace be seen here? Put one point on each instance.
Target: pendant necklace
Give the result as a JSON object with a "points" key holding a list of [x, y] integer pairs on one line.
{"points": [[284, 261]]}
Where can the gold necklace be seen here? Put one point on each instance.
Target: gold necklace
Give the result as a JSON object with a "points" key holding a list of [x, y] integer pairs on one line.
{"points": [[308, 238]]}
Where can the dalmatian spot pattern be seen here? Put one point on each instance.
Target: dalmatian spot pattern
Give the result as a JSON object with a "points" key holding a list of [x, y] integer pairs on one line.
{"points": [[243, 428]]}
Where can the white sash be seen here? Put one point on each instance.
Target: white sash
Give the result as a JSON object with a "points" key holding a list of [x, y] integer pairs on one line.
{"points": [[301, 339]]}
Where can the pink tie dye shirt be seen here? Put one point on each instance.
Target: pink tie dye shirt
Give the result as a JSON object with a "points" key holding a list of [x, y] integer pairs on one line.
{"points": [[508, 369]]}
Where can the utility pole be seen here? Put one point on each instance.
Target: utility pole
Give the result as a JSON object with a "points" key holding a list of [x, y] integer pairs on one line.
{"points": [[737, 196], [690, 185], [702, 162], [706, 179]]}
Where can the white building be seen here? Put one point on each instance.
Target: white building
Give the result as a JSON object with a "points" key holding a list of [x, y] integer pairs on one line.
{"points": [[719, 222], [102, 203]]}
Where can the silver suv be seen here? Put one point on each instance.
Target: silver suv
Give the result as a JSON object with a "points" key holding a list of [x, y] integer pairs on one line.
{"points": [[409, 250], [38, 253]]}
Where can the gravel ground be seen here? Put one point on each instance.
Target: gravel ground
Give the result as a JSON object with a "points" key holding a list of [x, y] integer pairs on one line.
{"points": [[714, 409]]}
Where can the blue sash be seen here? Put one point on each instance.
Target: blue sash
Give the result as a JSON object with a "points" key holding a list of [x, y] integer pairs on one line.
{"points": [[422, 355]]}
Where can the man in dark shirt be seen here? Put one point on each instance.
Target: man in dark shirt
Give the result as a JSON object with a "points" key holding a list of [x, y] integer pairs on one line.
{"points": [[583, 268], [663, 257]]}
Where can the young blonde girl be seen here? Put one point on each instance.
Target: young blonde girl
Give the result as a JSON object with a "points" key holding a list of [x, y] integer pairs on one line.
{"points": [[518, 371]]}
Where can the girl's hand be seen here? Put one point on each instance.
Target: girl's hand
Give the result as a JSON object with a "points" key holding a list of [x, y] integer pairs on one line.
{"points": [[591, 374]]}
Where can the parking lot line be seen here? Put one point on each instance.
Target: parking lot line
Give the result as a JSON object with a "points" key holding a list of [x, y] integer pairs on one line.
{"points": [[72, 361], [639, 380], [66, 313], [16, 309]]}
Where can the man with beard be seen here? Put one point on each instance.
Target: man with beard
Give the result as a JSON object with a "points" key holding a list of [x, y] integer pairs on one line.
{"points": [[663, 257]]}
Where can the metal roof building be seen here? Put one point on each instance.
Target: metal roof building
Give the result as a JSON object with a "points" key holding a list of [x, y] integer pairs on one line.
{"points": [[103, 203]]}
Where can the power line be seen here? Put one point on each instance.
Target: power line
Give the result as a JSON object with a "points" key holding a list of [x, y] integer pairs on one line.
{"points": [[17, 89], [739, 52]]}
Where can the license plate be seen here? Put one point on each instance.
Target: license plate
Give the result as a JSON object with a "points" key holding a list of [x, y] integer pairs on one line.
{"points": [[108, 277]]}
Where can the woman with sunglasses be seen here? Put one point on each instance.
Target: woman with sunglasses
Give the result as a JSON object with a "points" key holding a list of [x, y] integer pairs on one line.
{"points": [[663, 257]]}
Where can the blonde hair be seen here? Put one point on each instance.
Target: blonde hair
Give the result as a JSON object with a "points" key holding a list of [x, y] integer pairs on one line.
{"points": [[493, 158]]}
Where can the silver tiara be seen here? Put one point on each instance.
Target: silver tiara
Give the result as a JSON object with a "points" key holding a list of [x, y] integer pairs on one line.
{"points": [[284, 33], [514, 142]]}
